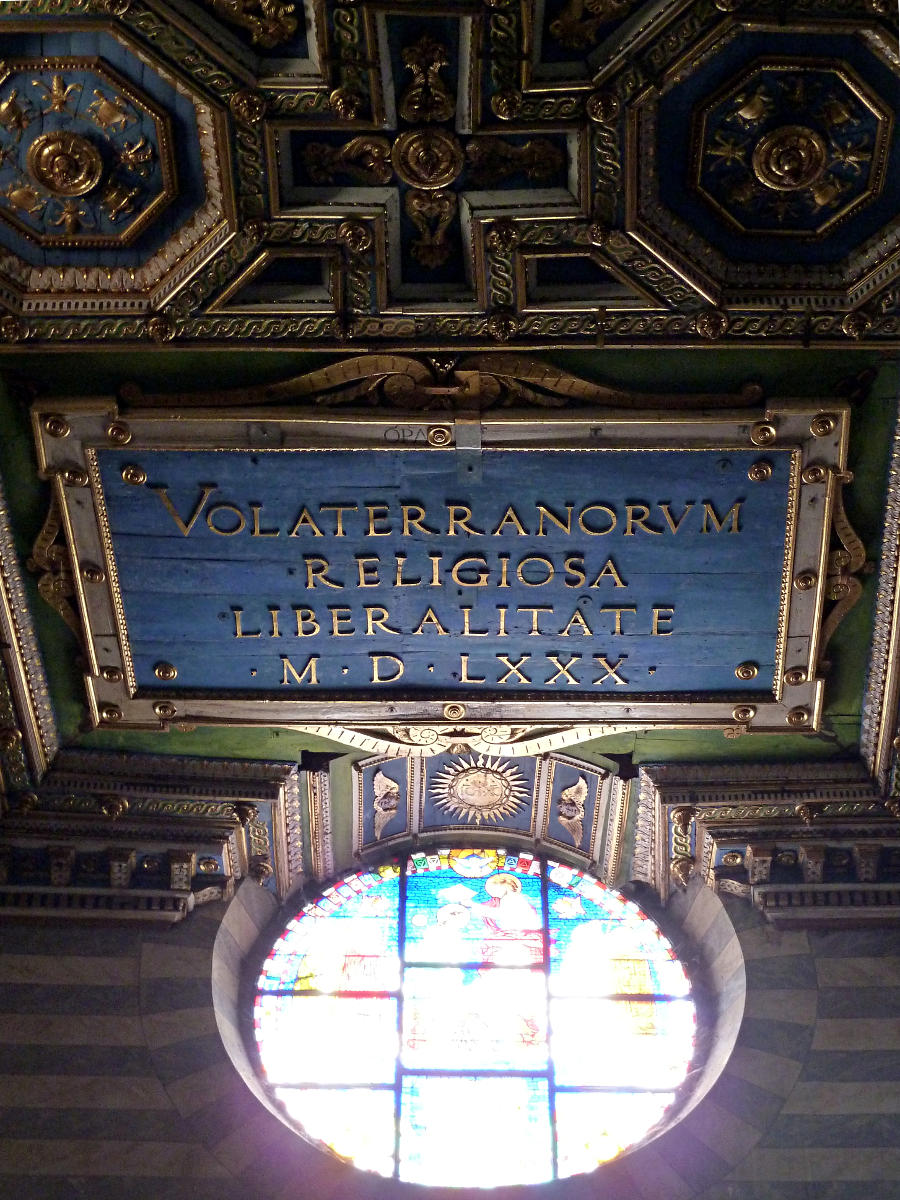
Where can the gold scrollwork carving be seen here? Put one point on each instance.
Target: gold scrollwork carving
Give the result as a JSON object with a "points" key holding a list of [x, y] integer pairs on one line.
{"points": [[51, 562], [365, 158], [842, 585], [269, 22], [427, 158], [490, 160], [578, 25], [431, 213]]}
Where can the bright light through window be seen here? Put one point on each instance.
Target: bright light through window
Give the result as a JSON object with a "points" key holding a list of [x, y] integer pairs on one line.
{"points": [[474, 1017]]}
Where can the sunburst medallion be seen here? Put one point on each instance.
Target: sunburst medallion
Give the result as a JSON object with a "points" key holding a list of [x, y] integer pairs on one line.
{"points": [[480, 789]]}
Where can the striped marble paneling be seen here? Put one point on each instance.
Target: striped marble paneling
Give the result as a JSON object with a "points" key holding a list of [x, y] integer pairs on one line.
{"points": [[116, 1080]]}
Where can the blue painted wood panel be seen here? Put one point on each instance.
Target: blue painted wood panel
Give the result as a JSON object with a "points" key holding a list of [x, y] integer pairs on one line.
{"points": [[235, 566]]}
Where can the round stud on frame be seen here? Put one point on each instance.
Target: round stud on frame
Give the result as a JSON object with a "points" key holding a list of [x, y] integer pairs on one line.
{"points": [[822, 425], [760, 471], [746, 670], [57, 426], [118, 433], [74, 476], [814, 473], [744, 712], [112, 674], [439, 435], [110, 714], [797, 717], [795, 676], [763, 433], [134, 475], [164, 709], [805, 580], [454, 712], [165, 670], [92, 573]]}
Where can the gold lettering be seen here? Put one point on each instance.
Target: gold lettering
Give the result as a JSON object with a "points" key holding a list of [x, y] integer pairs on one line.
{"points": [[309, 669], [578, 619], [565, 526], [317, 570], [709, 514], [430, 618], [535, 618], [466, 631], [399, 581], [338, 510], [504, 569], [273, 613], [305, 520], [612, 672], [417, 522], [377, 617], [618, 612], [306, 616], [597, 508], [641, 522], [163, 493], [675, 525], [659, 619], [514, 668], [435, 570], [238, 630], [341, 616], [501, 627], [575, 569], [378, 659], [463, 522], [364, 566], [481, 576], [232, 508], [256, 509], [534, 558], [464, 676], [609, 569], [510, 517], [563, 669], [377, 512]]}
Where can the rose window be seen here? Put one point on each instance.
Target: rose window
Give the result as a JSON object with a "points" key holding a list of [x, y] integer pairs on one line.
{"points": [[474, 1017]]}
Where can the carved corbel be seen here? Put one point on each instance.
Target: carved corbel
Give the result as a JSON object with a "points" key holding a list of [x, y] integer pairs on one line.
{"points": [[842, 585], [759, 863], [812, 862]]}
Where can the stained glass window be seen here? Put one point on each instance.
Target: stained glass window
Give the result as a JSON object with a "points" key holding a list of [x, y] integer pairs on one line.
{"points": [[474, 1017]]}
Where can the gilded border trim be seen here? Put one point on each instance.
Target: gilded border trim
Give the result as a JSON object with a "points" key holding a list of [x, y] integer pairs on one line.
{"points": [[23, 660]]}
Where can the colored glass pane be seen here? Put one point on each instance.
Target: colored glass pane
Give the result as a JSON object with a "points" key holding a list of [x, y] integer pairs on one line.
{"points": [[456, 1017], [356, 1123], [457, 1126], [474, 1017], [326, 1039]]}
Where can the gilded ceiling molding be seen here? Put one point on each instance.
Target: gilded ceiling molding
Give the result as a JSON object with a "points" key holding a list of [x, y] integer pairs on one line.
{"points": [[879, 716], [714, 822], [29, 740], [493, 176]]}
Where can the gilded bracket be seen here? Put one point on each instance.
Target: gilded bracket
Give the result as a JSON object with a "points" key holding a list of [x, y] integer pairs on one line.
{"points": [[51, 562]]}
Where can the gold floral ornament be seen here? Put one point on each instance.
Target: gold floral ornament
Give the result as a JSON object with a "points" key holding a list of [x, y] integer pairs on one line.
{"points": [[789, 158], [427, 158], [427, 98], [366, 158], [480, 789], [57, 93], [269, 22]]}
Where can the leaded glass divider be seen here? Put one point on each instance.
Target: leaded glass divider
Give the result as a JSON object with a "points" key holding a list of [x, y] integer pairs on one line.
{"points": [[474, 1017]]}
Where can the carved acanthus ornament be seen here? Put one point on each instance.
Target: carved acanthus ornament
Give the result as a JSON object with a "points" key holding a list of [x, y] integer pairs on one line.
{"points": [[842, 584]]}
